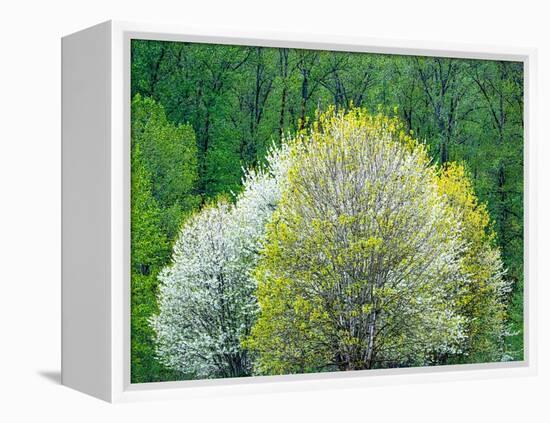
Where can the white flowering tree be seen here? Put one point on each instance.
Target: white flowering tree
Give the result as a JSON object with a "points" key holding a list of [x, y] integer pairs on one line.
{"points": [[207, 302]]}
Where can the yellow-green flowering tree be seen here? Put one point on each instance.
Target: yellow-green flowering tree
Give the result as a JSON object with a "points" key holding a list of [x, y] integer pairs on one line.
{"points": [[482, 297], [367, 259]]}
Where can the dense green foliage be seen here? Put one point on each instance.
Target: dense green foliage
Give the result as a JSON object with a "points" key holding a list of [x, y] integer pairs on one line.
{"points": [[239, 100], [169, 152]]}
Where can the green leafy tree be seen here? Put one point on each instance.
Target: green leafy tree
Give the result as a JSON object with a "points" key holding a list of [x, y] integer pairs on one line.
{"points": [[149, 249], [169, 154]]}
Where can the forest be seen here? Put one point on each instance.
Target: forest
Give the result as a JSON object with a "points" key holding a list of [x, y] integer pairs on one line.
{"points": [[249, 212]]}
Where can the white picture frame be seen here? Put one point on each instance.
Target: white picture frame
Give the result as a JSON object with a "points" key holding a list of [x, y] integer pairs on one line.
{"points": [[96, 210]]}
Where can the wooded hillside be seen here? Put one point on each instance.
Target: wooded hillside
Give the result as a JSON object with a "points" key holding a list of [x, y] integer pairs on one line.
{"points": [[203, 113]]}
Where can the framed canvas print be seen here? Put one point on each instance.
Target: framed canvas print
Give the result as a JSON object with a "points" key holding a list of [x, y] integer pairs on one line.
{"points": [[246, 212]]}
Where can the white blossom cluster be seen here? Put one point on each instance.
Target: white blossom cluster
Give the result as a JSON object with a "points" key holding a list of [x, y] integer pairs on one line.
{"points": [[207, 303]]}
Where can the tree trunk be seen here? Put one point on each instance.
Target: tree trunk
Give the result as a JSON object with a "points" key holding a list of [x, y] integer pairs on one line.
{"points": [[370, 347]]}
